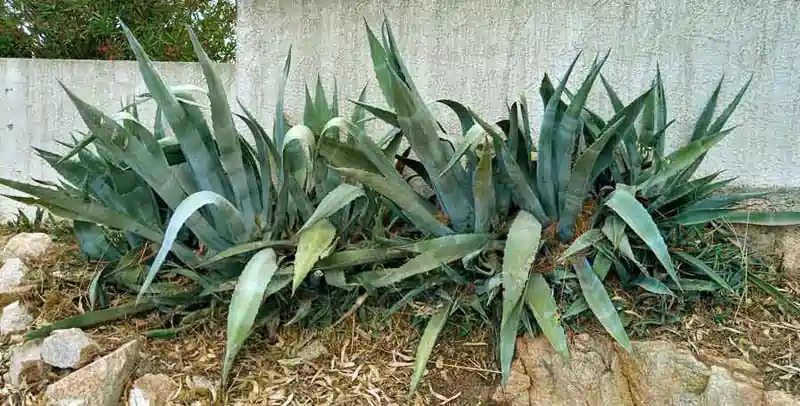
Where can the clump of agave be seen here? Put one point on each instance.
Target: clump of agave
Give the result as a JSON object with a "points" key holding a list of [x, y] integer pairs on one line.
{"points": [[324, 206]]}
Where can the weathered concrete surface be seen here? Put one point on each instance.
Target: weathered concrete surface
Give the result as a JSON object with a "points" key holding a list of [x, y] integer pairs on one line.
{"points": [[482, 52], [35, 111]]}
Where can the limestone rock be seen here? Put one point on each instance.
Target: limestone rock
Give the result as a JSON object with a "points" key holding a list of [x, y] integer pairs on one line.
{"points": [[592, 377], [152, 390], [11, 275], [654, 373], [70, 348], [99, 383], [27, 246], [14, 319], [779, 398], [26, 363]]}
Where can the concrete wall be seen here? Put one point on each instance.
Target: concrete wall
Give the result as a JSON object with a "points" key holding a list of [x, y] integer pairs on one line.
{"points": [[480, 52], [35, 111], [483, 52]]}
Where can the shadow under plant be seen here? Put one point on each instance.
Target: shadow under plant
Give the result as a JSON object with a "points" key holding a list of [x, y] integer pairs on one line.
{"points": [[315, 218]]}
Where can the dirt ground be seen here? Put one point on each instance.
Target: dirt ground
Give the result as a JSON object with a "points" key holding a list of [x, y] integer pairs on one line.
{"points": [[359, 363]]}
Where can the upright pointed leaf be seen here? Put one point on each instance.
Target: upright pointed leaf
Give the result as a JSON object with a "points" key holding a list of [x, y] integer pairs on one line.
{"points": [[199, 154], [230, 153], [547, 169], [484, 192]]}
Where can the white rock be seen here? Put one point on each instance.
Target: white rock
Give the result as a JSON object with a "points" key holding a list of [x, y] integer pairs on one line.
{"points": [[26, 363], [15, 319], [152, 390], [27, 246], [11, 274], [70, 348], [97, 384]]}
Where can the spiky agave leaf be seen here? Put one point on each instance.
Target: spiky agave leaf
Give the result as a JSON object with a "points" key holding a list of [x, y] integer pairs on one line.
{"points": [[245, 302]]}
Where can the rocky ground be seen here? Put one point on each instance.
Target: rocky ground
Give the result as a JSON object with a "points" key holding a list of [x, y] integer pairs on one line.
{"points": [[740, 355]]}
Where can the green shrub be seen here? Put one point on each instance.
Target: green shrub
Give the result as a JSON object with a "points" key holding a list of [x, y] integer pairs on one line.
{"points": [[324, 206]]}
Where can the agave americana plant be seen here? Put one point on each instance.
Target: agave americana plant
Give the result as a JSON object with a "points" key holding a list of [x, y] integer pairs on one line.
{"points": [[326, 205]]}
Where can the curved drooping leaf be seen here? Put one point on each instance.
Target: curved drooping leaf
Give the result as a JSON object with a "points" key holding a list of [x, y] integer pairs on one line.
{"points": [[334, 201], [244, 249], [704, 268], [426, 343], [474, 136], [464, 116], [522, 244], [597, 299], [652, 285], [638, 219], [245, 302], [404, 197], [692, 217], [315, 242], [539, 299], [182, 213], [298, 153], [444, 250], [64, 205], [583, 242]]}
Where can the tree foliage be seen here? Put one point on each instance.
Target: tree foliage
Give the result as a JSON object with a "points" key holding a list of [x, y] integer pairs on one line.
{"points": [[89, 29]]}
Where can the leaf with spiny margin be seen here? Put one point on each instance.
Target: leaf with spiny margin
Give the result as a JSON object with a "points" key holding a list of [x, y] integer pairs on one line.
{"points": [[638, 219], [227, 138], [600, 303], [547, 167], [315, 242], [576, 191], [583, 242], [245, 302], [200, 155], [447, 249], [464, 116], [426, 343]]}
